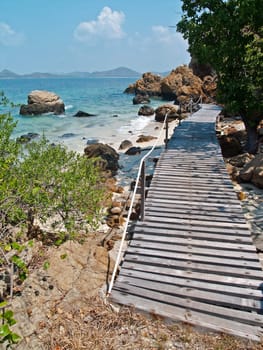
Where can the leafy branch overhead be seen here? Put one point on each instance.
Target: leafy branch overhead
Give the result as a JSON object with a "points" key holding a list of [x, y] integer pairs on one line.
{"points": [[228, 35]]}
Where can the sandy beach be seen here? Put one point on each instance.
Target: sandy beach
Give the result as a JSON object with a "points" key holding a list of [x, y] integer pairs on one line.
{"points": [[154, 129]]}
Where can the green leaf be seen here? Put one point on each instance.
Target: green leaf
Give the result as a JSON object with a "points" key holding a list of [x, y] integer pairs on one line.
{"points": [[3, 304], [4, 331], [46, 265], [15, 338]]}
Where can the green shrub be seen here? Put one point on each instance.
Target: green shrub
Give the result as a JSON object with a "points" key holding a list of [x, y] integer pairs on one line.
{"points": [[40, 181]]}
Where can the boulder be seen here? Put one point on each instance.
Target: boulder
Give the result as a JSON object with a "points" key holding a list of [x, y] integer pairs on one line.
{"points": [[230, 146], [40, 102], [149, 84], [181, 85], [133, 151], [27, 137], [140, 99], [172, 110], [145, 138], [83, 114], [201, 69], [253, 171], [106, 153], [125, 144], [240, 160], [209, 87], [146, 111]]}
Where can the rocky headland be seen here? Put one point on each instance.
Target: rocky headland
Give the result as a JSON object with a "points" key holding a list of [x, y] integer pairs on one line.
{"points": [[180, 85]]}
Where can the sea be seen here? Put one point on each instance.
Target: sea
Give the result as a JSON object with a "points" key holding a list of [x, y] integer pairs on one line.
{"points": [[115, 117]]}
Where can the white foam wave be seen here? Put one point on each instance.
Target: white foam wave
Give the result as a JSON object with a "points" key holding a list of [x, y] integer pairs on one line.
{"points": [[68, 107], [136, 125]]}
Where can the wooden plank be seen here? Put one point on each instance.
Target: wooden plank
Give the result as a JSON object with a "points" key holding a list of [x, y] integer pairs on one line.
{"points": [[189, 248], [194, 222], [216, 210], [189, 201], [194, 257], [203, 231], [192, 197], [232, 314], [209, 277], [243, 292], [171, 213], [160, 188], [204, 296], [157, 305], [195, 266], [185, 183], [180, 232], [189, 241]]}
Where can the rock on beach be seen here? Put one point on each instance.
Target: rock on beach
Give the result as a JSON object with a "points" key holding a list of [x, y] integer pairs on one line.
{"points": [[41, 101]]}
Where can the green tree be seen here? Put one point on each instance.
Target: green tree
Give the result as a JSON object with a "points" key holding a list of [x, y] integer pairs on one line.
{"points": [[228, 35]]}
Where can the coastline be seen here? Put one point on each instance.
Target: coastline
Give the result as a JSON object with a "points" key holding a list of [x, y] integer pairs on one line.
{"points": [[154, 129]]}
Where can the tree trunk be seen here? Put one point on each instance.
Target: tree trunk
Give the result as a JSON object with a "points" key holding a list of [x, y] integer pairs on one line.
{"points": [[252, 138]]}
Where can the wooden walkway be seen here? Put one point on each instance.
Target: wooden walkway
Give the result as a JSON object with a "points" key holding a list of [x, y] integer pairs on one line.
{"points": [[192, 258]]}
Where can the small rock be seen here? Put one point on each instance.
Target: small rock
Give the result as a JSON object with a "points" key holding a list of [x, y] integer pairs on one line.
{"points": [[115, 210], [125, 144], [133, 151], [83, 114]]}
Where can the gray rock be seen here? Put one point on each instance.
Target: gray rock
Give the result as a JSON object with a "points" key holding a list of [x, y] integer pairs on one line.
{"points": [[146, 111], [125, 144], [107, 154], [84, 114], [133, 151]]}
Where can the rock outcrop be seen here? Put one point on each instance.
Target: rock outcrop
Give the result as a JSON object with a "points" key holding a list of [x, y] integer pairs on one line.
{"points": [[146, 111], [161, 111], [109, 157], [141, 99], [149, 84], [180, 86], [40, 102], [253, 171]]}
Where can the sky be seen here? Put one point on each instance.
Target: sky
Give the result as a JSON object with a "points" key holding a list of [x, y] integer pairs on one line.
{"points": [[59, 36]]}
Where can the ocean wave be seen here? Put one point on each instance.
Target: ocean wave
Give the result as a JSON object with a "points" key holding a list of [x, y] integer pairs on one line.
{"points": [[68, 107], [137, 124]]}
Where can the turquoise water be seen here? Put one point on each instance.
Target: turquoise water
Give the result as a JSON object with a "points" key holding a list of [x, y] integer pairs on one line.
{"points": [[116, 116]]}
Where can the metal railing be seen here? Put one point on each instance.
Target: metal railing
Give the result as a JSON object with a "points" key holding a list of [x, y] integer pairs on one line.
{"points": [[140, 178]]}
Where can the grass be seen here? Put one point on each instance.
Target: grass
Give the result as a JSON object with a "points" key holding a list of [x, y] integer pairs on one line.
{"points": [[99, 327]]}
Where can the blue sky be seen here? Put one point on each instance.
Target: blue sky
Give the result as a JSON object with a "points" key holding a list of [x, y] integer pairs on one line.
{"points": [[88, 35]]}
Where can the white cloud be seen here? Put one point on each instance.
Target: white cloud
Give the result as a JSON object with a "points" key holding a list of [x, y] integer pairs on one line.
{"points": [[108, 26], [9, 37], [165, 35]]}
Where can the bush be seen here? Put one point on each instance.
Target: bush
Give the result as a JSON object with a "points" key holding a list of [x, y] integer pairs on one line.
{"points": [[39, 181]]}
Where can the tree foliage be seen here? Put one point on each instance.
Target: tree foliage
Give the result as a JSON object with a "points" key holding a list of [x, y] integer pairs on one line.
{"points": [[228, 35]]}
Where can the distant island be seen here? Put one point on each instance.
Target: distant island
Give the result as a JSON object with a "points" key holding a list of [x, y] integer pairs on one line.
{"points": [[120, 72]]}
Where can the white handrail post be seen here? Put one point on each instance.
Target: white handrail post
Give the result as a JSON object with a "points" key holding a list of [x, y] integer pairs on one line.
{"points": [[166, 133], [142, 190]]}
